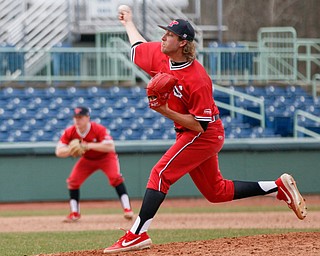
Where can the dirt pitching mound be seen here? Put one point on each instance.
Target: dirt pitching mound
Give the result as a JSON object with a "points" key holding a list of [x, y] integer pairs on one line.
{"points": [[276, 244]]}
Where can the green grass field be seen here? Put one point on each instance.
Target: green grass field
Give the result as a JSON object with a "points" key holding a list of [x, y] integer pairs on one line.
{"points": [[34, 243], [14, 244]]}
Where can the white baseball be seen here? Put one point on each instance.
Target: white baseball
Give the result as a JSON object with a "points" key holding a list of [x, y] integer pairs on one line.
{"points": [[124, 7]]}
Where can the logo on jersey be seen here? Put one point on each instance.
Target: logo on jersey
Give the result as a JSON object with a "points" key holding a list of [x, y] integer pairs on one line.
{"points": [[177, 91], [207, 112], [174, 22]]}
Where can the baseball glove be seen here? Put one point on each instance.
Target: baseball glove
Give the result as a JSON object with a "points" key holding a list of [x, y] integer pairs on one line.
{"points": [[77, 148], [159, 88]]}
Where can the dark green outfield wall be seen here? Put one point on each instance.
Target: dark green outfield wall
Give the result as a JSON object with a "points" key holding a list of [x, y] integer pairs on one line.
{"points": [[31, 172]]}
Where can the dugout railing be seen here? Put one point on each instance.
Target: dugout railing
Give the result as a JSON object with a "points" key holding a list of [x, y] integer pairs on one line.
{"points": [[259, 114], [306, 125]]}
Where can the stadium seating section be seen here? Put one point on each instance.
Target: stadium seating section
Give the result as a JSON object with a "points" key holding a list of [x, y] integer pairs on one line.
{"points": [[41, 114]]}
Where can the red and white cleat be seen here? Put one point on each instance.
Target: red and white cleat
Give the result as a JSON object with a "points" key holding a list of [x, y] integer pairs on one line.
{"points": [[72, 217], [128, 214], [130, 242], [288, 192]]}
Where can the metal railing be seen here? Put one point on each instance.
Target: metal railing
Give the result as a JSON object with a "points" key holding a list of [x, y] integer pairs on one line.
{"points": [[309, 56], [81, 64], [241, 110], [277, 56], [315, 84], [311, 131]]}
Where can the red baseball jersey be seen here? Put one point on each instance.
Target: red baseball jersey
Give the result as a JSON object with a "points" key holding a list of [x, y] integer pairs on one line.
{"points": [[193, 94], [94, 133], [193, 152]]}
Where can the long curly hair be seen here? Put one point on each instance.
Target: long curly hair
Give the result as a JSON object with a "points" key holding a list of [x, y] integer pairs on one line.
{"points": [[189, 51]]}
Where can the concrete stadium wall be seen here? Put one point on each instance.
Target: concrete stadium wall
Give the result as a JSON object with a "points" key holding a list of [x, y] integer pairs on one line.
{"points": [[31, 172]]}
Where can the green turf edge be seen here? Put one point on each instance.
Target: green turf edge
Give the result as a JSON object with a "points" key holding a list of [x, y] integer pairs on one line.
{"points": [[14, 244], [172, 210]]}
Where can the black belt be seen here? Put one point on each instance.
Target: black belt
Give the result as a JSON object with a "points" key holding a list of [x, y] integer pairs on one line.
{"points": [[180, 130], [214, 118]]}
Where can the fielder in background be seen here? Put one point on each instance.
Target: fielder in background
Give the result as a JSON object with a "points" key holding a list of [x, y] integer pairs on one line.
{"points": [[95, 147], [199, 131]]}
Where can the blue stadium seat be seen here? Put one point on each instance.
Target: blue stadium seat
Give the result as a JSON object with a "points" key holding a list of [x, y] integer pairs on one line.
{"points": [[59, 102], [151, 114], [283, 102], [229, 122], [162, 123], [142, 104], [169, 134], [129, 112], [77, 92], [295, 90], [238, 88], [137, 92], [14, 103], [33, 92], [118, 91], [99, 102], [283, 125], [152, 134], [115, 134], [45, 113], [238, 132], [21, 136], [259, 132], [257, 91], [4, 136], [12, 124], [308, 124], [130, 134], [79, 101], [313, 109], [53, 92], [10, 92], [126, 109], [7, 113], [29, 124], [274, 90], [37, 102], [94, 91], [111, 112], [64, 113], [41, 135], [302, 102], [224, 98], [56, 124]]}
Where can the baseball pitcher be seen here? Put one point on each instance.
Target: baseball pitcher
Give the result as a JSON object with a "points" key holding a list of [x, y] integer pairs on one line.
{"points": [[199, 130]]}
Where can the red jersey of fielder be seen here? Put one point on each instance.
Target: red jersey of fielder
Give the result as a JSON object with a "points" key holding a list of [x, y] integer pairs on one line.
{"points": [[194, 153], [92, 160]]}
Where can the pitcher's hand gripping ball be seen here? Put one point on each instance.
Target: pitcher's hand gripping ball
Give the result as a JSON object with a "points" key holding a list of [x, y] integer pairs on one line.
{"points": [[159, 88], [77, 148], [124, 8]]}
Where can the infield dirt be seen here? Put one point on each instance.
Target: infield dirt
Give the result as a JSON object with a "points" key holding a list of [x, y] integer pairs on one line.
{"points": [[293, 243]]}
